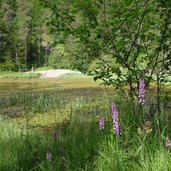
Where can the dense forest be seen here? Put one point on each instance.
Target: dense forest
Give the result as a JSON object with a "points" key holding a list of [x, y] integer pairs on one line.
{"points": [[27, 37], [24, 35], [104, 36]]}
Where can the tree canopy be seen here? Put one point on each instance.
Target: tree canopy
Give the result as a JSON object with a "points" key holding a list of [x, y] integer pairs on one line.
{"points": [[116, 41]]}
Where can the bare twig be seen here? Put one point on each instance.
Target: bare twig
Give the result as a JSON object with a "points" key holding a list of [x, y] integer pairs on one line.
{"points": [[138, 31], [159, 47]]}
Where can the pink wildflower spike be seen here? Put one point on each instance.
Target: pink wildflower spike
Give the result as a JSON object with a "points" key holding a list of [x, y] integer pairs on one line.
{"points": [[101, 123], [141, 92], [49, 154], [167, 142], [115, 117]]}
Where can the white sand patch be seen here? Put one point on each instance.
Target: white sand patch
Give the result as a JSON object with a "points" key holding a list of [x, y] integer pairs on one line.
{"points": [[55, 73]]}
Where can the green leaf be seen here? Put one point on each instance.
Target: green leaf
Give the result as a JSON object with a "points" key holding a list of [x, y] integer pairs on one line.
{"points": [[128, 2]]}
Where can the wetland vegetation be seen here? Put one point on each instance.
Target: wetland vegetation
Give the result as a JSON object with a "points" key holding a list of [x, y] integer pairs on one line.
{"points": [[49, 127]]}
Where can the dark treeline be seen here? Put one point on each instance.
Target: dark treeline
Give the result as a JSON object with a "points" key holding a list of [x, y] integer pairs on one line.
{"points": [[108, 35], [27, 38], [24, 35]]}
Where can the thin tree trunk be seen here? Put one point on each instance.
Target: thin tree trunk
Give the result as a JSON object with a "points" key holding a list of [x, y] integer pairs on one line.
{"points": [[25, 57], [46, 57], [39, 62], [16, 53], [158, 96], [16, 57]]}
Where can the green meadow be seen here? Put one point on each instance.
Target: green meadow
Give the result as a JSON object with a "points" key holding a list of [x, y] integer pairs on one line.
{"points": [[53, 125]]}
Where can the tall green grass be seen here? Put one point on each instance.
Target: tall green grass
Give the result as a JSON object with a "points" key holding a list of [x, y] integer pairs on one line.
{"points": [[79, 144]]}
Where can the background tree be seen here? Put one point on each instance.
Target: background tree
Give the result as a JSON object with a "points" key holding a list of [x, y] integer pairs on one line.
{"points": [[24, 32], [134, 33], [7, 25]]}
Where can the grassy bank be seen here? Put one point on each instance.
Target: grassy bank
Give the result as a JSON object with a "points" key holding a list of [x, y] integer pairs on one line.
{"points": [[8, 74]]}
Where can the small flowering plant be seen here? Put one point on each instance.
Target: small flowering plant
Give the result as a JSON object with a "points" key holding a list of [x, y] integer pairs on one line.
{"points": [[146, 128], [101, 123], [49, 154], [115, 118], [167, 142], [141, 92]]}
